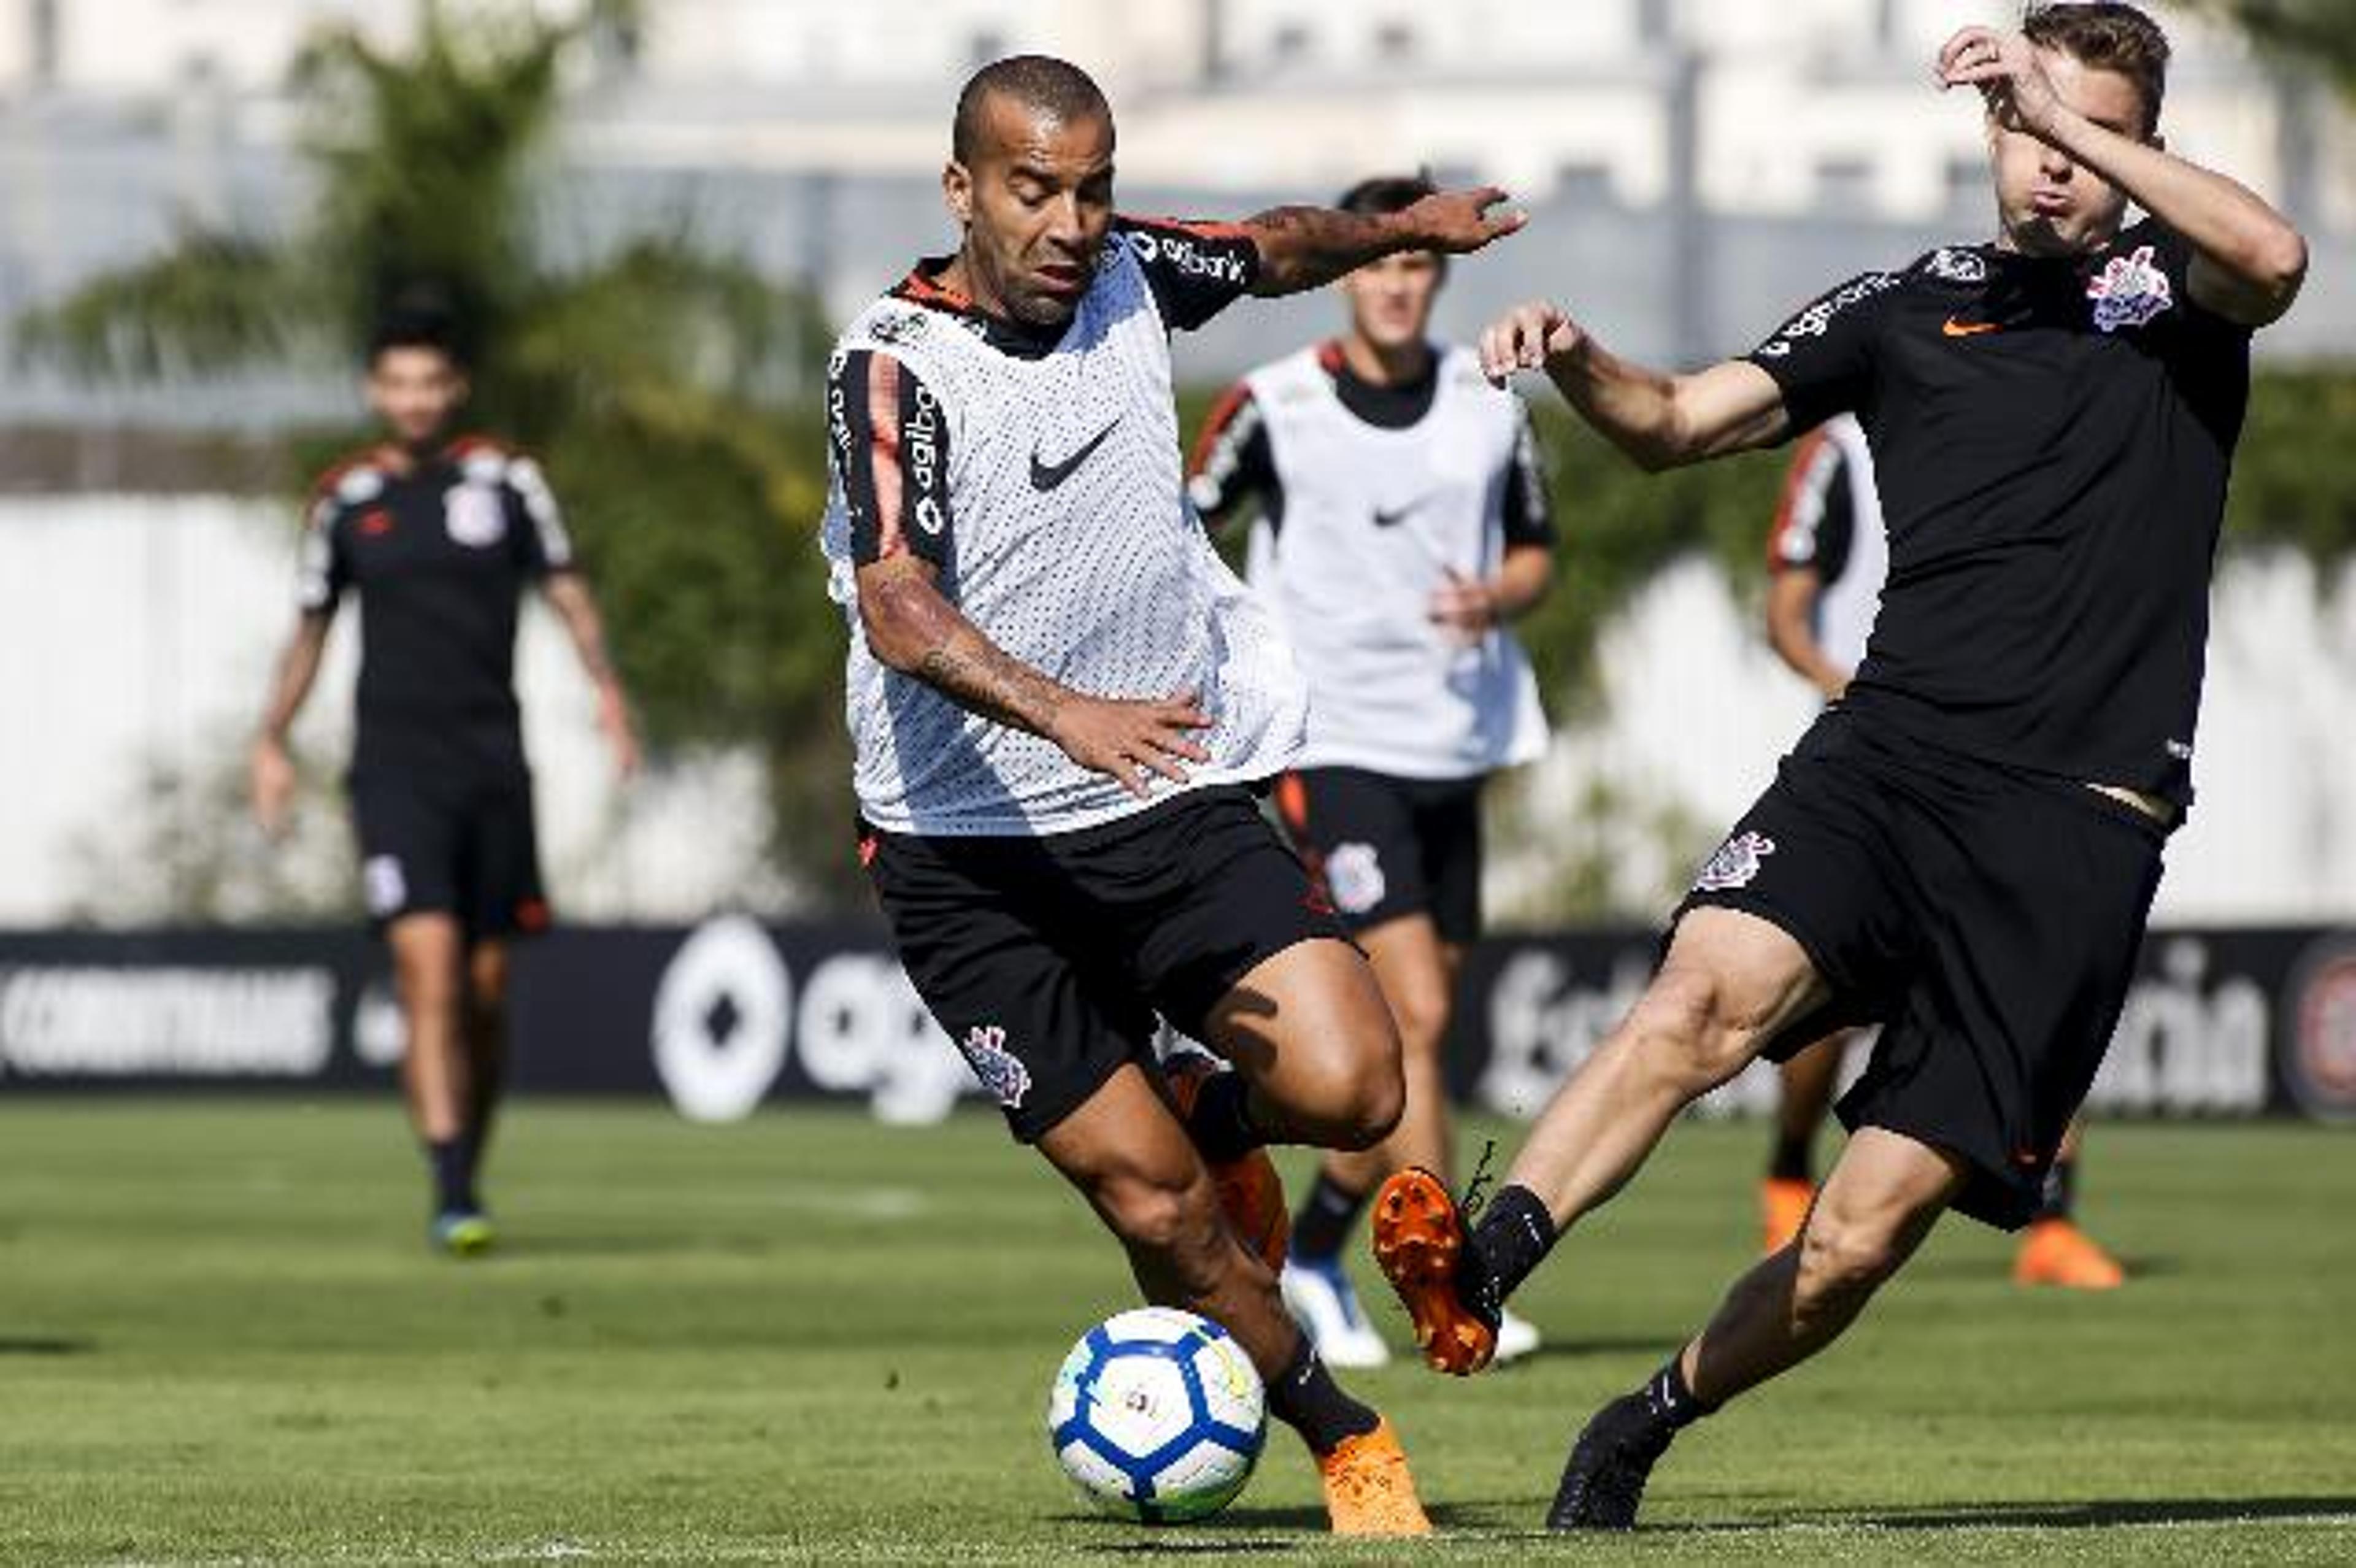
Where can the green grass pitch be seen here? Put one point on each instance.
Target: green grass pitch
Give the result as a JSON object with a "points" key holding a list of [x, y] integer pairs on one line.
{"points": [[811, 1338]]}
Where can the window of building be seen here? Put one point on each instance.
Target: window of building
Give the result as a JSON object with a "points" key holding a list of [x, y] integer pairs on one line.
{"points": [[1291, 44], [1394, 43]]}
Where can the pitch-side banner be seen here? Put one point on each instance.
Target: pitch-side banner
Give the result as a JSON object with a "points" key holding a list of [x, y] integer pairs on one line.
{"points": [[732, 1014]]}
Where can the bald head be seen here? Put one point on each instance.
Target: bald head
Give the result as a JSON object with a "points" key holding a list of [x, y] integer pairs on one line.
{"points": [[1041, 86]]}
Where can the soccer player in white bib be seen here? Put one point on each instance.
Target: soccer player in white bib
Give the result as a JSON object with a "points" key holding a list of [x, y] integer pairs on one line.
{"points": [[1828, 553], [1058, 696], [1402, 522]]}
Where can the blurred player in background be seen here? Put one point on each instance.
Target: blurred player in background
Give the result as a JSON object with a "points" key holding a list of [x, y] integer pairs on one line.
{"points": [[1058, 696], [1827, 556], [439, 535], [1402, 521], [1966, 846]]}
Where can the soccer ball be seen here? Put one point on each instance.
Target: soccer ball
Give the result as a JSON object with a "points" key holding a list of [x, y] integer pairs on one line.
{"points": [[1158, 1416]]}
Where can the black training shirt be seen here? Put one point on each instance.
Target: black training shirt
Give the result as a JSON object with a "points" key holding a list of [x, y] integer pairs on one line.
{"points": [[439, 549], [2052, 440]]}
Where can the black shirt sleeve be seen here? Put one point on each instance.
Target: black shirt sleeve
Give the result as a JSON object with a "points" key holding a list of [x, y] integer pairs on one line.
{"points": [[1530, 511], [1823, 358], [1812, 517], [543, 545], [1232, 463], [891, 455], [1196, 269]]}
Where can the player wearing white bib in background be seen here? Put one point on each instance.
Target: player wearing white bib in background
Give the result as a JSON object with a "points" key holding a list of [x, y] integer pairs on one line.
{"points": [[1058, 693], [1828, 553], [1400, 521]]}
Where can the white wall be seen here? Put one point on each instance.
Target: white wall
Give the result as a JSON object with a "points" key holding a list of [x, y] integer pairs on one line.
{"points": [[140, 629]]}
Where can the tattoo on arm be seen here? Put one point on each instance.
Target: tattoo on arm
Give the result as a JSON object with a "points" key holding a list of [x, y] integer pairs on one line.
{"points": [[1303, 247], [914, 629]]}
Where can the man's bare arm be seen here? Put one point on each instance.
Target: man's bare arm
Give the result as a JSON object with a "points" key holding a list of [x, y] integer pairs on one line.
{"points": [[911, 628], [1659, 420], [1792, 595], [1303, 247], [270, 772], [568, 594]]}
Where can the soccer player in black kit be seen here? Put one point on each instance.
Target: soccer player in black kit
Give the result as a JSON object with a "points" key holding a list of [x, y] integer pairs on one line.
{"points": [[439, 536], [1966, 846]]}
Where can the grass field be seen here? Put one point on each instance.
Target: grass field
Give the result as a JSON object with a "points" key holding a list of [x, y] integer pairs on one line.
{"points": [[810, 1338]]}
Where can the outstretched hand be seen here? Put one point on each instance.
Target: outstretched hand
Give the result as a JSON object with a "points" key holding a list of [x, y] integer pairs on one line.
{"points": [[1460, 220], [2009, 76], [1526, 338]]}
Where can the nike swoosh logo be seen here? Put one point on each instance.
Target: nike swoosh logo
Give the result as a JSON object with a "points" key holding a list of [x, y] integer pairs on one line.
{"points": [[1954, 328], [1045, 476], [1394, 518]]}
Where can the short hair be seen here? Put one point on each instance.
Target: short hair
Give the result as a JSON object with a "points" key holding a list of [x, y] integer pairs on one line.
{"points": [[1380, 194], [2105, 34], [1042, 83], [411, 324]]}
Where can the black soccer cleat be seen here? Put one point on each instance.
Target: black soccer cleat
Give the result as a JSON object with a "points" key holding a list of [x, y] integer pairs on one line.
{"points": [[1604, 1483]]}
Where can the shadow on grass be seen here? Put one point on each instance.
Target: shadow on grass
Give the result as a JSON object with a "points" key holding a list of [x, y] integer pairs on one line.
{"points": [[41, 1345], [2101, 1513], [1553, 1350], [1247, 1533]]}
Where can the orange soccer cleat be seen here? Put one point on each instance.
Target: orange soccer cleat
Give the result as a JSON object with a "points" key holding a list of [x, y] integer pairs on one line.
{"points": [[1783, 1208], [1418, 1242], [2056, 1252], [1368, 1491], [1251, 1194]]}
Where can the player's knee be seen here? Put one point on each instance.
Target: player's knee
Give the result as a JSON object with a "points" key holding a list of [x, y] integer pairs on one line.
{"points": [[1843, 1261], [1353, 1110], [1421, 1017], [1159, 1216], [1677, 1026]]}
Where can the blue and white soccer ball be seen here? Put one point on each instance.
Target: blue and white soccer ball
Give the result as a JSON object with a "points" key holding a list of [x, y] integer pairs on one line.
{"points": [[1158, 1416]]}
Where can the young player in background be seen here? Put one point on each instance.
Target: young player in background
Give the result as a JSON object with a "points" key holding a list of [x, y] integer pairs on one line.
{"points": [[1402, 521], [439, 536], [1827, 557], [1058, 696]]}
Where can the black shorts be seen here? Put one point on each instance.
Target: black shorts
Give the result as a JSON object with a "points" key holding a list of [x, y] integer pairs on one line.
{"points": [[1382, 847], [1986, 918], [1047, 959], [436, 844]]}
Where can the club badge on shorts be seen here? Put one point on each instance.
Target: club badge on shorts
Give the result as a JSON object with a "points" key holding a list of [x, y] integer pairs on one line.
{"points": [[1354, 874], [1000, 1072], [1735, 863]]}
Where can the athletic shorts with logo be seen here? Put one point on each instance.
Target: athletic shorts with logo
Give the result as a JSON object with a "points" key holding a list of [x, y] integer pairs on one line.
{"points": [[450, 843], [1382, 847], [1047, 958], [1988, 917]]}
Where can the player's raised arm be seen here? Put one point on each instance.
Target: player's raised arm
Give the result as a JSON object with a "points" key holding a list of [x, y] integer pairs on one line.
{"points": [[2250, 259], [1305, 247], [1659, 420]]}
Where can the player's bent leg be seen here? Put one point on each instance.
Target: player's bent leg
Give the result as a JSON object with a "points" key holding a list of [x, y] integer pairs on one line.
{"points": [[1730, 983], [1880, 1200], [1308, 1028], [1138, 1168], [486, 1036]]}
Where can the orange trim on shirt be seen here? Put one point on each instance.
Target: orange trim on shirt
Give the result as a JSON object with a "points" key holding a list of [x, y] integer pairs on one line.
{"points": [[1214, 424], [884, 451], [1804, 457]]}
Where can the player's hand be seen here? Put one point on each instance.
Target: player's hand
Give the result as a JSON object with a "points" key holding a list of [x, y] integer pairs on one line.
{"points": [[1460, 220], [1131, 740], [270, 779], [2005, 68], [1464, 607], [1526, 338], [614, 718]]}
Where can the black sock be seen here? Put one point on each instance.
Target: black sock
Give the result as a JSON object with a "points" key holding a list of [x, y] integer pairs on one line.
{"points": [[1512, 1237], [1793, 1159], [1221, 1125], [2061, 1193], [1323, 1221], [452, 1160], [1672, 1402], [1305, 1397]]}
